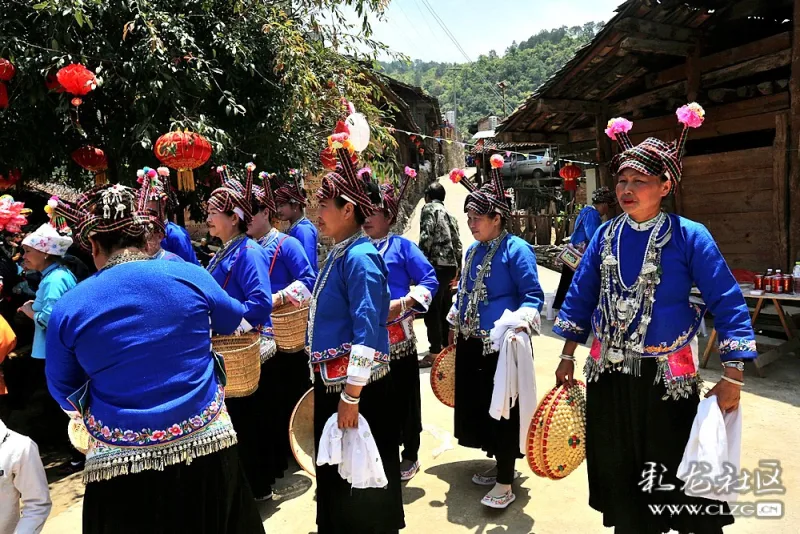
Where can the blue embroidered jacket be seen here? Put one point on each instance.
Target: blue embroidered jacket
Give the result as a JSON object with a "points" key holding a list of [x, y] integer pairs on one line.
{"points": [[291, 265], [408, 266], [305, 232], [690, 257], [586, 225], [177, 240], [348, 314], [244, 275], [167, 256], [513, 282], [137, 335]]}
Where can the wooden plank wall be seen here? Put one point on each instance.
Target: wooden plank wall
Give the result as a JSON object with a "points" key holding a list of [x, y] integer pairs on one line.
{"points": [[733, 194]]}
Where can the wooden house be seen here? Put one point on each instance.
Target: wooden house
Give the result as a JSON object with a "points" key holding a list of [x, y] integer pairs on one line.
{"points": [[740, 59]]}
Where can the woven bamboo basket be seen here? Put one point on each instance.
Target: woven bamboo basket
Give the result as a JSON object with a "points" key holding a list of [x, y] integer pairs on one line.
{"points": [[79, 436], [443, 376], [242, 356], [289, 324]]}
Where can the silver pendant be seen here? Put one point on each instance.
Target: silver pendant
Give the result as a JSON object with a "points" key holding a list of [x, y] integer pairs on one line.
{"points": [[615, 355]]}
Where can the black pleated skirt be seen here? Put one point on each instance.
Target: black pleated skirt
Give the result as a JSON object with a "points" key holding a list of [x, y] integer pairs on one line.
{"points": [[405, 378], [258, 421], [473, 426], [628, 429], [208, 496], [340, 508], [291, 381]]}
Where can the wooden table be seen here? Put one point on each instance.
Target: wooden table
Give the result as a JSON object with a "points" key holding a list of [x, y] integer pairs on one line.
{"points": [[793, 340]]}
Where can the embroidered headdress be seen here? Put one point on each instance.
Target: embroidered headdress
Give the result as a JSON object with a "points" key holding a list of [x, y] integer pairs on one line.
{"points": [[292, 190], [347, 182], [102, 209], [604, 195], [264, 195], [232, 196], [389, 195], [491, 197], [653, 156]]}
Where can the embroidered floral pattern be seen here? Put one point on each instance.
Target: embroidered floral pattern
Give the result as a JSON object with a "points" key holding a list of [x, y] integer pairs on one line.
{"points": [[342, 350], [297, 293], [681, 340], [147, 436], [728, 345], [421, 295], [360, 361], [568, 326]]}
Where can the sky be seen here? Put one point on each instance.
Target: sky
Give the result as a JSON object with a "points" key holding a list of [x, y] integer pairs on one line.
{"points": [[479, 25]]}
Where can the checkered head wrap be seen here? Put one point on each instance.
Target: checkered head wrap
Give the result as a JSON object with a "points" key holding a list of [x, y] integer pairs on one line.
{"points": [[102, 209], [491, 197], [232, 196], [264, 195], [292, 190], [347, 183], [653, 156], [389, 195], [604, 195]]}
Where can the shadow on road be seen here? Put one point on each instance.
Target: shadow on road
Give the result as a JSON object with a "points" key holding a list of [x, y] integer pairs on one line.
{"points": [[294, 484], [462, 500]]}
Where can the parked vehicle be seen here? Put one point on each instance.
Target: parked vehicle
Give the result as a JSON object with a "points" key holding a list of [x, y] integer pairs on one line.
{"points": [[528, 166]]}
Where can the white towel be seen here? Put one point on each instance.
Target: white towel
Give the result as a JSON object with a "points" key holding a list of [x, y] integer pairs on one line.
{"points": [[715, 440], [515, 377], [354, 451]]}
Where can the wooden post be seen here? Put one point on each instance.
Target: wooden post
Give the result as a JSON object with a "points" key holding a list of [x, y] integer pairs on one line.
{"points": [[779, 196], [603, 147], [693, 74], [794, 144]]}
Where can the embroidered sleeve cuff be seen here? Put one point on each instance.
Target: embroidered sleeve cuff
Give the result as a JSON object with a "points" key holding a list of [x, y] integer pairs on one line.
{"points": [[422, 296], [530, 319], [360, 365], [297, 293], [737, 348], [452, 315], [570, 330]]}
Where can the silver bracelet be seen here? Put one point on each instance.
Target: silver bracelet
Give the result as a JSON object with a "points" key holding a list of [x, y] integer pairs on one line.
{"points": [[734, 364], [348, 398], [733, 380], [569, 357]]}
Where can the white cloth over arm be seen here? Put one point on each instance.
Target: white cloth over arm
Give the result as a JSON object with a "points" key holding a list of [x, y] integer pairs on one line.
{"points": [[354, 451], [715, 440], [515, 377]]}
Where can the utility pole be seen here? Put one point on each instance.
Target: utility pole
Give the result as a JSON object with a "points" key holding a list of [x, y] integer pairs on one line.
{"points": [[502, 85], [455, 103]]}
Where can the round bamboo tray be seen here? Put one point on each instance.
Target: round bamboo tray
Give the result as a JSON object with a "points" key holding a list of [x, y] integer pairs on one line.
{"points": [[301, 433], [557, 434], [443, 376], [242, 357], [289, 325]]}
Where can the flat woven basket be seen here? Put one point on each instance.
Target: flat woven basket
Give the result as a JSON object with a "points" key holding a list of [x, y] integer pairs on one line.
{"points": [[301, 433], [289, 324], [443, 376], [242, 356], [78, 435], [557, 433]]}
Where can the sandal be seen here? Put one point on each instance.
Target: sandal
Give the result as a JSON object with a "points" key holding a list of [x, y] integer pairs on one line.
{"points": [[484, 480], [499, 502], [410, 473], [427, 361]]}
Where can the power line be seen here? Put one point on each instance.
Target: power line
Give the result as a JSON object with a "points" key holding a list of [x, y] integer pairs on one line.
{"points": [[458, 45]]}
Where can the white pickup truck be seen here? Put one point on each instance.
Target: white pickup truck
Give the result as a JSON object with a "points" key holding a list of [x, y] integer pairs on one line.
{"points": [[527, 166]]}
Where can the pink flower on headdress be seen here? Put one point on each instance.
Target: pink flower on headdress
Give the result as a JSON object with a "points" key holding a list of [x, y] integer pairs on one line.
{"points": [[496, 161], [618, 125], [152, 173], [361, 172], [163, 171], [250, 166], [456, 175], [411, 173], [691, 115]]}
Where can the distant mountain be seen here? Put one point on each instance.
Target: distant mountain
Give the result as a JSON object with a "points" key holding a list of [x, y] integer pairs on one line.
{"points": [[523, 67]]}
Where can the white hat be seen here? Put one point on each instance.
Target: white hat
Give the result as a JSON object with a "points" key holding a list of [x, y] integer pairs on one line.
{"points": [[47, 239]]}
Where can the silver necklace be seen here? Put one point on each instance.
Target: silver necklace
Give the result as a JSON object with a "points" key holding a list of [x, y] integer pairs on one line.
{"points": [[125, 256], [643, 226], [472, 321], [227, 248]]}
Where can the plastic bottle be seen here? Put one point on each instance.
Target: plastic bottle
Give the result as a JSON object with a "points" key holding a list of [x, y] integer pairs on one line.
{"points": [[796, 276]]}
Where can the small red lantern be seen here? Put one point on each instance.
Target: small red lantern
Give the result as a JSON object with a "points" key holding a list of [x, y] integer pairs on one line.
{"points": [[570, 174], [183, 151], [3, 96], [7, 70], [92, 159], [77, 80]]}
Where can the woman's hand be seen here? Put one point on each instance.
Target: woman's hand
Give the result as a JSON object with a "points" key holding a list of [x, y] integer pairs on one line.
{"points": [[395, 309], [276, 300], [565, 373], [27, 309], [727, 393], [348, 415]]}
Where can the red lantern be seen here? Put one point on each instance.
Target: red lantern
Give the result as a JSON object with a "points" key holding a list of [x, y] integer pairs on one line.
{"points": [[183, 151], [3, 96], [92, 159], [570, 171], [77, 80], [51, 82], [7, 70]]}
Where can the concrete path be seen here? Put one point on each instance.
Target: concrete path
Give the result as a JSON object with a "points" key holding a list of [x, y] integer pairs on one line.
{"points": [[442, 499]]}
